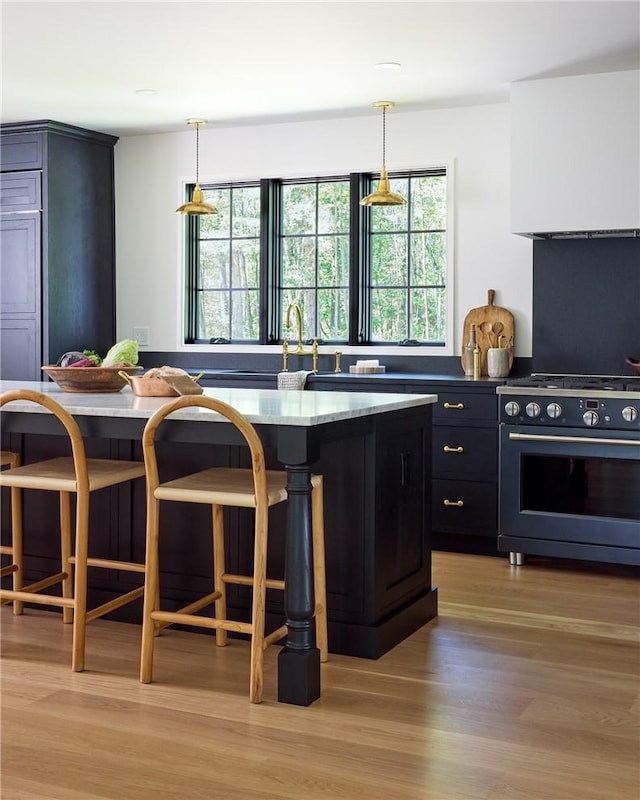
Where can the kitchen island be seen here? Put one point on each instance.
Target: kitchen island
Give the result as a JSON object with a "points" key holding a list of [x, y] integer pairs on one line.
{"points": [[374, 453]]}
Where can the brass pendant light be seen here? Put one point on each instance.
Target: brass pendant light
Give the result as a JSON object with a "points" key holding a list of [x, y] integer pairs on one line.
{"points": [[383, 196], [197, 204]]}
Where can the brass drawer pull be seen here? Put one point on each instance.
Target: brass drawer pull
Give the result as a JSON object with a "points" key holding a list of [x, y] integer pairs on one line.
{"points": [[456, 503], [459, 406], [448, 449]]}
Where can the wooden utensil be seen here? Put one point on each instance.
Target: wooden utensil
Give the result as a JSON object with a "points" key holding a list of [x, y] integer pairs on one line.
{"points": [[486, 328], [497, 332], [495, 316]]}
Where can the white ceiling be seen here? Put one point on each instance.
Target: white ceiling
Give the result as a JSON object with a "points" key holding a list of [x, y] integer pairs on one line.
{"points": [[236, 63]]}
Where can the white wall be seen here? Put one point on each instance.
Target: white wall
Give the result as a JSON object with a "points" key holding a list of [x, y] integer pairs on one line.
{"points": [[151, 172]]}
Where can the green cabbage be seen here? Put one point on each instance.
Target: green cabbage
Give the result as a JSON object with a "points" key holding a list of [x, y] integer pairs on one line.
{"points": [[93, 357], [124, 353]]}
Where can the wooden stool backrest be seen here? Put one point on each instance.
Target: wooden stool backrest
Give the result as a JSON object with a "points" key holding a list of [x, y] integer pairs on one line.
{"points": [[242, 424], [69, 423]]}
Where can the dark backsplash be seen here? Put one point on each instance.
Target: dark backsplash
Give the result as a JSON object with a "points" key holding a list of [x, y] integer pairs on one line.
{"points": [[586, 305], [418, 365], [273, 361]]}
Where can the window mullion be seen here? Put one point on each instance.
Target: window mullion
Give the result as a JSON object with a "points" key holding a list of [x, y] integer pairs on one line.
{"points": [[316, 302], [270, 216], [410, 326], [230, 261], [192, 279], [359, 261]]}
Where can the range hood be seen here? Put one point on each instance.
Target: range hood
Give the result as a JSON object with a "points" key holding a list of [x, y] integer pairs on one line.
{"points": [[575, 159], [601, 234]]}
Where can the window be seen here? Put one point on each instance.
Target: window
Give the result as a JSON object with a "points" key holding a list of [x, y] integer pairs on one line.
{"points": [[228, 270], [409, 264], [315, 256], [373, 276]]}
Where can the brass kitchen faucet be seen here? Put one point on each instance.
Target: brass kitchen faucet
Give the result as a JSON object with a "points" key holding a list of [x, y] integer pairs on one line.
{"points": [[299, 349]]}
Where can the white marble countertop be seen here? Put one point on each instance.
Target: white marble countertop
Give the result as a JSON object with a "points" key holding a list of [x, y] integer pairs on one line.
{"points": [[260, 406]]}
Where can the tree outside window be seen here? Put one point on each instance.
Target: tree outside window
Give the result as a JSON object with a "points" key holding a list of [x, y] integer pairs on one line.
{"points": [[409, 263], [228, 291], [315, 256], [279, 242]]}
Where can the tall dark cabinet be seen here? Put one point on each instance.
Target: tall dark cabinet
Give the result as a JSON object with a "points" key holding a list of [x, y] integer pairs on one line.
{"points": [[57, 232]]}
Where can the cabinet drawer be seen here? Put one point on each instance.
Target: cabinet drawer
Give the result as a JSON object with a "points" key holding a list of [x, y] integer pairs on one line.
{"points": [[456, 407], [20, 191], [465, 507], [22, 151], [464, 451]]}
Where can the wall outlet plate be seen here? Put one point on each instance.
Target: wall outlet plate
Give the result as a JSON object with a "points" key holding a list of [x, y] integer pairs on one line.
{"points": [[141, 335]]}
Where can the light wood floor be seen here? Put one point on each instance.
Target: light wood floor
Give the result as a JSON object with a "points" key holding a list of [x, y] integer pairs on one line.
{"points": [[526, 687]]}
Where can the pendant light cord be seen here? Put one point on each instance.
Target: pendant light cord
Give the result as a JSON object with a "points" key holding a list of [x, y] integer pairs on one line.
{"points": [[197, 154], [384, 137]]}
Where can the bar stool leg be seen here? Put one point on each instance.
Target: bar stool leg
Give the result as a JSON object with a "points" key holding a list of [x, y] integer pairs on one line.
{"points": [[219, 569], [66, 553], [151, 591], [258, 605], [17, 545], [80, 583]]}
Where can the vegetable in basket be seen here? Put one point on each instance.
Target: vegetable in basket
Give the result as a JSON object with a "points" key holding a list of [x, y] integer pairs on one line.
{"points": [[92, 356], [122, 354], [75, 358], [71, 358]]}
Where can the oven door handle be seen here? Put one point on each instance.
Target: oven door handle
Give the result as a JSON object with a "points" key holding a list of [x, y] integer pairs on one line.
{"points": [[533, 437]]}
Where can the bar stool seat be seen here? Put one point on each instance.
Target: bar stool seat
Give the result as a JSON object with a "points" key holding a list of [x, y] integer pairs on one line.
{"points": [[81, 476], [218, 487]]}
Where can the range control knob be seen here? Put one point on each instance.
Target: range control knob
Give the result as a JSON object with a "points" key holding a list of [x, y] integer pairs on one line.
{"points": [[512, 409], [533, 410], [554, 410], [591, 418], [629, 414]]}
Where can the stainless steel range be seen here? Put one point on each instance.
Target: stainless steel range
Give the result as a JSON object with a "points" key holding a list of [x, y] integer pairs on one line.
{"points": [[570, 467]]}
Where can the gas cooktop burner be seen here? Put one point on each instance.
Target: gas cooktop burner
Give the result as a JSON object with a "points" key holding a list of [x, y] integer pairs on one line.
{"points": [[596, 401], [605, 383]]}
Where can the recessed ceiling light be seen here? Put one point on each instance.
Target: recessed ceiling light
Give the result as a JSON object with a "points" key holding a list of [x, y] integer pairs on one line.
{"points": [[387, 65], [147, 92]]}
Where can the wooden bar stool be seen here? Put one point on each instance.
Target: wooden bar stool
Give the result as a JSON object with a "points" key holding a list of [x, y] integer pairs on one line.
{"points": [[218, 487], [77, 475], [14, 550]]}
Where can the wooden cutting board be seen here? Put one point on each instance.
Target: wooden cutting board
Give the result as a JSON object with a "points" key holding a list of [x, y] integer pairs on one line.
{"points": [[501, 322]]}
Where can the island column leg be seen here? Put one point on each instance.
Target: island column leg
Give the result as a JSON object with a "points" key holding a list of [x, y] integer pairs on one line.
{"points": [[299, 660]]}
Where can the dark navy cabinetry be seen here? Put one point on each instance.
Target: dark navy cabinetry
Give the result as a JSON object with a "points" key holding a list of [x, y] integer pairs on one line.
{"points": [[464, 451], [57, 233], [465, 462]]}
